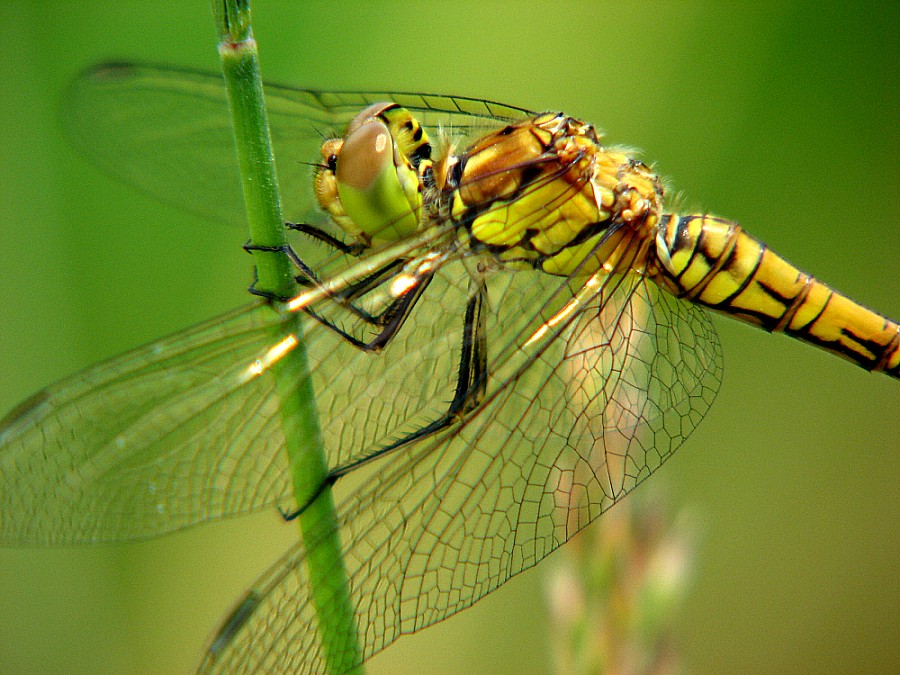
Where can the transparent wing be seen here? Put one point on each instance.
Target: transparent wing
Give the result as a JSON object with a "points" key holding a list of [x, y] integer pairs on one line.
{"points": [[168, 132], [174, 433], [571, 425], [150, 441], [170, 435]]}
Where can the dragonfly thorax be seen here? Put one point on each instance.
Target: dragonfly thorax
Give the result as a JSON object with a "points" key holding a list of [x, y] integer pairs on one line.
{"points": [[545, 194]]}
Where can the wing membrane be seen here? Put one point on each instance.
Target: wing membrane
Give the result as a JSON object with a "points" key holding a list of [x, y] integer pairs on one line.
{"points": [[449, 519], [168, 132], [173, 433], [145, 443]]}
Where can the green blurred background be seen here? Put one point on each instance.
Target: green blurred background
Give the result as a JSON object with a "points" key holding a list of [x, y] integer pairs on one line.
{"points": [[783, 116]]}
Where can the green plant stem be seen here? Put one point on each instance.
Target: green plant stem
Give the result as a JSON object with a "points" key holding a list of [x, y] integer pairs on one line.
{"points": [[329, 585]]}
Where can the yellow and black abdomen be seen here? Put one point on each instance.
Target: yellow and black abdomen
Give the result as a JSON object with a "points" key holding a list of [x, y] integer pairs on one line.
{"points": [[715, 263]]}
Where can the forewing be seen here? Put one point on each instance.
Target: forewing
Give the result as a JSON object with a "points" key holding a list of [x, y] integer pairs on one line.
{"points": [[572, 424], [168, 132]]}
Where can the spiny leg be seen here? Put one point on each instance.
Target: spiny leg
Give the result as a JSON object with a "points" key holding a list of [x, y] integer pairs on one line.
{"points": [[390, 320], [250, 247], [471, 385], [346, 298], [471, 382], [316, 233]]}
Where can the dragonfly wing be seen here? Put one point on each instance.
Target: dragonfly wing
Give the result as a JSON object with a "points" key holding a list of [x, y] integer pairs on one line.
{"points": [[167, 135], [168, 132], [572, 427], [175, 433], [148, 442]]}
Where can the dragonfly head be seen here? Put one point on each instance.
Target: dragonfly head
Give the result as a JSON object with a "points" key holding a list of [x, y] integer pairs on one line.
{"points": [[370, 180]]}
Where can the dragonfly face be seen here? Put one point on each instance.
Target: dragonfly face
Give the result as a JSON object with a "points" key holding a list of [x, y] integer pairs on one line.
{"points": [[372, 180], [512, 342]]}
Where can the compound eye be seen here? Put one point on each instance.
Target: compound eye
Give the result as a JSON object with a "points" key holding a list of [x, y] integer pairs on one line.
{"points": [[367, 153], [364, 116], [331, 163], [379, 192]]}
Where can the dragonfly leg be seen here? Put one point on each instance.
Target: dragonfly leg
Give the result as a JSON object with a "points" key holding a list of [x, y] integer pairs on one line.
{"points": [[250, 247], [471, 382], [367, 284], [307, 275], [308, 278], [267, 295], [390, 320], [288, 516], [471, 385], [316, 233]]}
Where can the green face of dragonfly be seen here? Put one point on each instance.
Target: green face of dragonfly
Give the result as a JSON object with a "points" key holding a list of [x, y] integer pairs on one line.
{"points": [[370, 181]]}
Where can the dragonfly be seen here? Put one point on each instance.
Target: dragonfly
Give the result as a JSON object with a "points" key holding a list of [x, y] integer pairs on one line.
{"points": [[507, 333]]}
